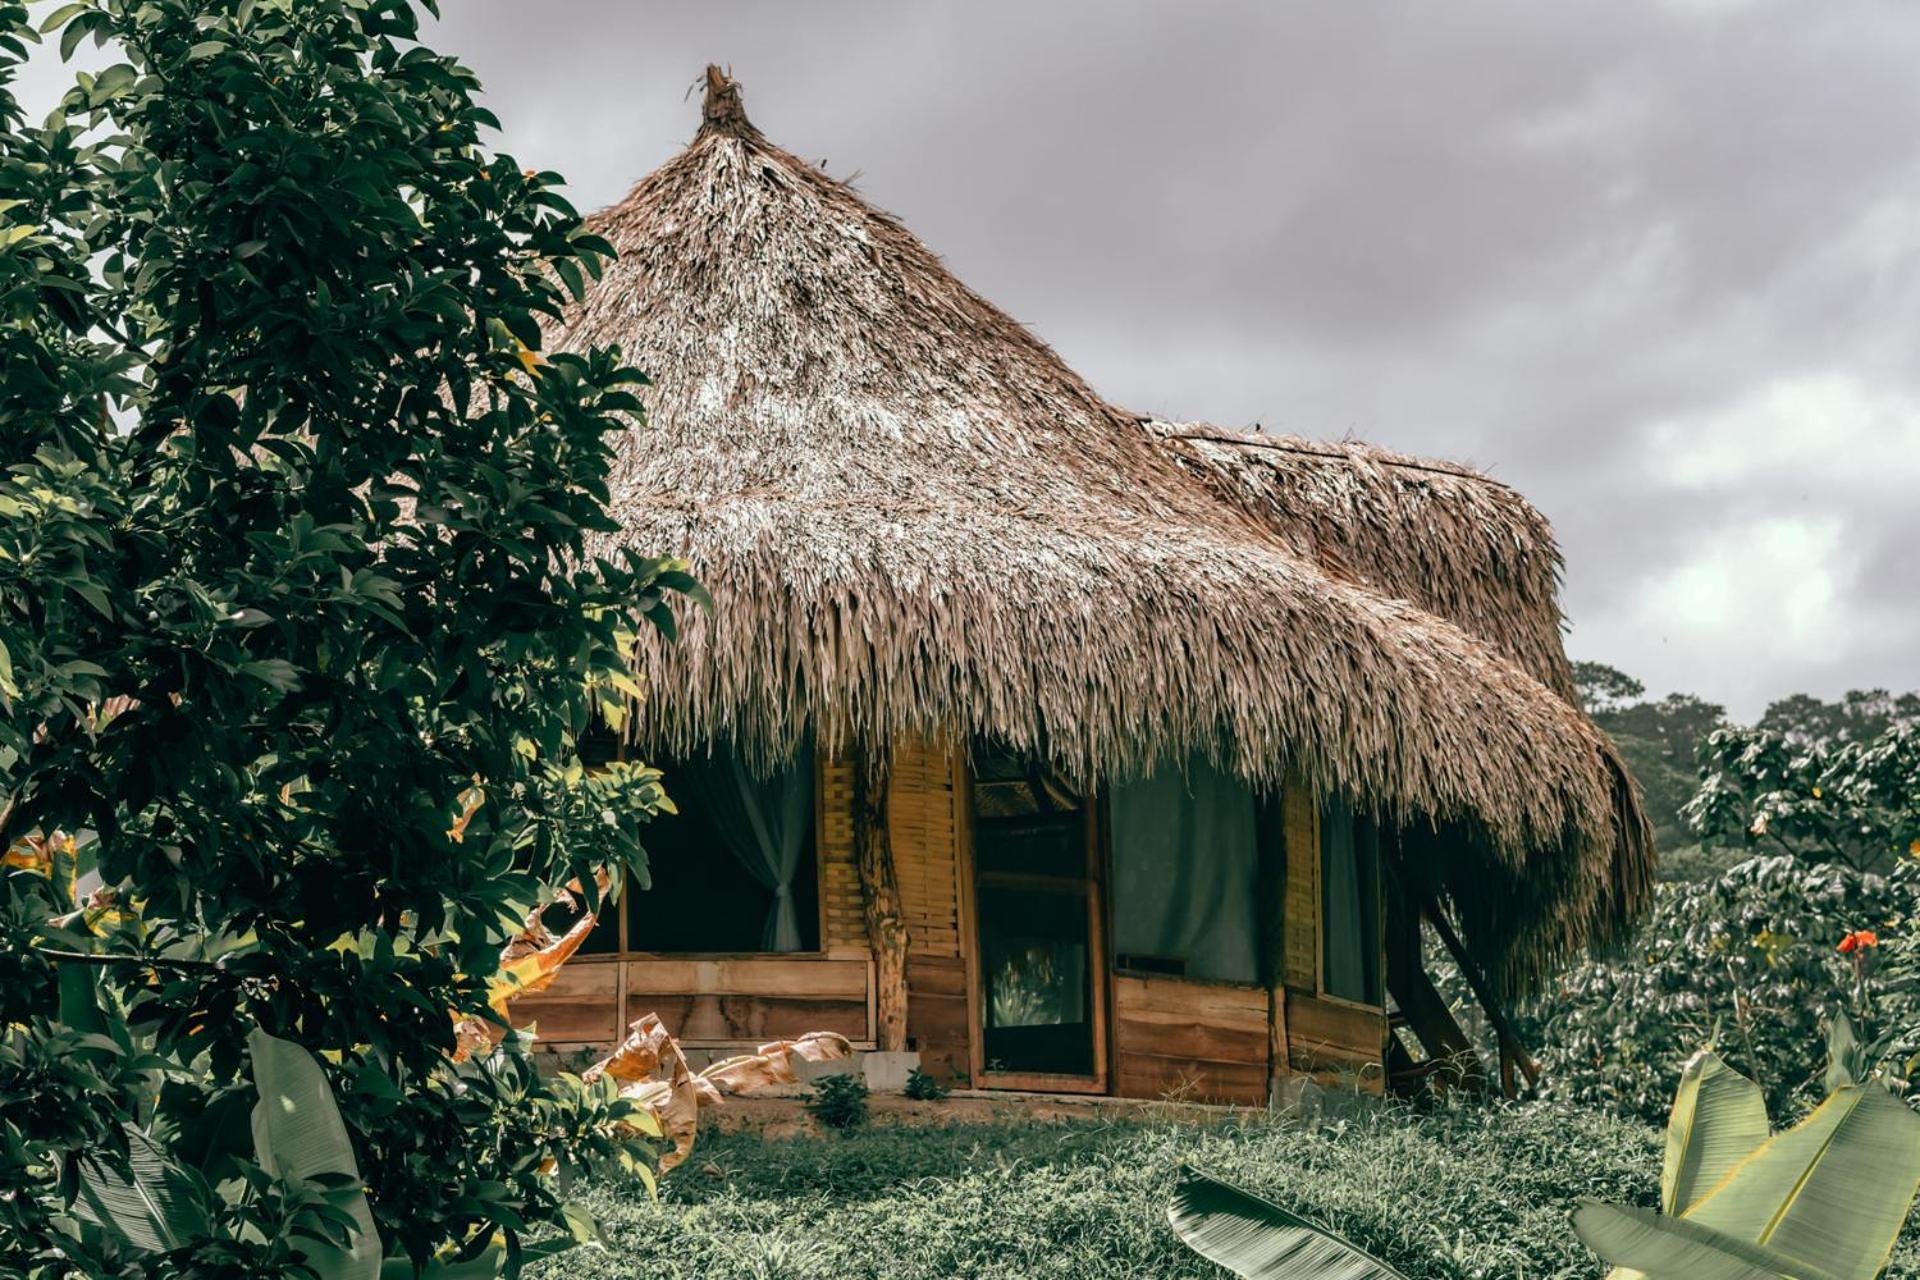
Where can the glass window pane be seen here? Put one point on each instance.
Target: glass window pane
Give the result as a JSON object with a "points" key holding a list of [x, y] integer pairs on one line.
{"points": [[1186, 867], [1035, 952], [1350, 906]]}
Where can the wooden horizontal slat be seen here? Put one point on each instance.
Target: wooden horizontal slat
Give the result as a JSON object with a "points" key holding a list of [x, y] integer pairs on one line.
{"points": [[1216, 1082], [749, 1020], [808, 978], [939, 1026], [1329, 1037], [1226, 1002], [1203, 1041]]}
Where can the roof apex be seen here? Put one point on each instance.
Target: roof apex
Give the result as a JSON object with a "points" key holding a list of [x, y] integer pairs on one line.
{"points": [[722, 109]]}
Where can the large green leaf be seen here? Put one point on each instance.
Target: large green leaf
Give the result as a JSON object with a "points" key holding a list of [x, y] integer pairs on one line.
{"points": [[153, 1210], [298, 1135], [1258, 1239], [1719, 1118], [1834, 1189], [1663, 1248]]}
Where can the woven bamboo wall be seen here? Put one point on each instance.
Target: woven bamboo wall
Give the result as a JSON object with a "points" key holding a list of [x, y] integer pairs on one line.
{"points": [[1302, 944], [923, 825], [844, 923]]}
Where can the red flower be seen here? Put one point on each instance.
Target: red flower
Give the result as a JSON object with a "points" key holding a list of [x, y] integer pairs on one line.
{"points": [[1859, 940]]}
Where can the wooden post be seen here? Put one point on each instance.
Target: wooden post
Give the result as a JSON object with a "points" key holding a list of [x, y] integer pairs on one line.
{"points": [[1512, 1051], [880, 895], [1450, 1053], [1270, 892]]}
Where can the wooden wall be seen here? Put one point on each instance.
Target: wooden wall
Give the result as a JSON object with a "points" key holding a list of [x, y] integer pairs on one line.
{"points": [[1339, 1043], [1196, 1041], [750, 999], [1213, 1042], [580, 1011], [843, 922], [924, 822]]}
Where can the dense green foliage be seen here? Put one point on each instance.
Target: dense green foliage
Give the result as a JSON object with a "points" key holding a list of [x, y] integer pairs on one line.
{"points": [[1457, 1193], [1843, 799], [1819, 780], [1748, 964], [297, 638], [922, 1087], [1659, 738]]}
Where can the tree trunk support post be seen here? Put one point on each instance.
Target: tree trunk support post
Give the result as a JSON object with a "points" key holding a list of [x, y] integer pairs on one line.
{"points": [[880, 896]]}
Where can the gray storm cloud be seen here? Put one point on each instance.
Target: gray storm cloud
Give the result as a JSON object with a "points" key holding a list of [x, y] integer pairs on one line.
{"points": [[1653, 263]]}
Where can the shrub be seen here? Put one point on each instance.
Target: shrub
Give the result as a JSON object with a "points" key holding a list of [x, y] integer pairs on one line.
{"points": [[922, 1087], [1748, 964], [839, 1101], [298, 629]]}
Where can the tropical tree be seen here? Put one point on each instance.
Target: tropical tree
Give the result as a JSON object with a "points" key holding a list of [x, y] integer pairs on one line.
{"points": [[1845, 799], [300, 632]]}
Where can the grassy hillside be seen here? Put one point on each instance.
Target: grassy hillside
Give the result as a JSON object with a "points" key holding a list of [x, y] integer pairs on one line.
{"points": [[1471, 1192]]}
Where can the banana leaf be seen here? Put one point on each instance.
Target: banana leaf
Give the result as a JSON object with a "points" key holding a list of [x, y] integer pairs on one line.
{"points": [[153, 1210], [1663, 1248], [1836, 1188], [1259, 1240], [298, 1135], [1719, 1118]]}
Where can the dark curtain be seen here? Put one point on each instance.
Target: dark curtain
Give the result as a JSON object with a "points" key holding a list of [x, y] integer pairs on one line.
{"points": [[1186, 866], [764, 822]]}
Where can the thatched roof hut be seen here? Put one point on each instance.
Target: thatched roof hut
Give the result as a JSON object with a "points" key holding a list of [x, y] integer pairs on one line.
{"points": [[918, 524]]}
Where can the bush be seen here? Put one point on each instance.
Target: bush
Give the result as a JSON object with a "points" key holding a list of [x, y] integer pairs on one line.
{"points": [[1746, 964], [922, 1087], [839, 1101], [298, 634]]}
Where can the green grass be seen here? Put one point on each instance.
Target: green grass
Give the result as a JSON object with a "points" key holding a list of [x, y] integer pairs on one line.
{"points": [[1479, 1191]]}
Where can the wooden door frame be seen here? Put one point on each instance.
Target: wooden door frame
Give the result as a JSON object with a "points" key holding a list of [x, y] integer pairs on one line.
{"points": [[1099, 997]]}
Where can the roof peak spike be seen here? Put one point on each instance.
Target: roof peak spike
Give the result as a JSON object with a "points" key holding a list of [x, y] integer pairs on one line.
{"points": [[722, 109]]}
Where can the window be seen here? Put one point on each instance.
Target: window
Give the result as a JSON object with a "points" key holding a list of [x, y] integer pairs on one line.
{"points": [[1034, 895], [1186, 866], [1350, 905], [733, 871]]}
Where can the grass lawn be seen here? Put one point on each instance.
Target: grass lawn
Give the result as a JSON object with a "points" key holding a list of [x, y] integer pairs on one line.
{"points": [[1466, 1192]]}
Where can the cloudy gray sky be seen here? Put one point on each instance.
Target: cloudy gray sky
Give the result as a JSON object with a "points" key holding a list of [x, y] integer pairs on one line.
{"points": [[1654, 262]]}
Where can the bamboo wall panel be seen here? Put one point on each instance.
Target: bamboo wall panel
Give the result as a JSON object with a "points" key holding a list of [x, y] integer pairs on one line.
{"points": [[844, 925], [1302, 935], [922, 823], [939, 1027], [1337, 1043], [1200, 1041], [579, 1011], [749, 999]]}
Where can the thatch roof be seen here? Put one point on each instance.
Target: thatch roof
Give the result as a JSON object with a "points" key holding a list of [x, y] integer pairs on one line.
{"points": [[1453, 541], [915, 520]]}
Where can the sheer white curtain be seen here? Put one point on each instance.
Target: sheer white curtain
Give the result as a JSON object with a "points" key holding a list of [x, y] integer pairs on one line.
{"points": [[764, 822]]}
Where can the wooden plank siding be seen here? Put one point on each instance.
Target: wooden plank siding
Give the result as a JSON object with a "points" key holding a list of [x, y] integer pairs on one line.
{"points": [[1301, 820], [1340, 1044], [579, 1011], [750, 999], [1197, 1041], [939, 1025], [923, 825]]}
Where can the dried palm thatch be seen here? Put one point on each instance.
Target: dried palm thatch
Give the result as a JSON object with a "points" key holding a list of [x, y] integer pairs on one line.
{"points": [[1444, 536], [917, 522]]}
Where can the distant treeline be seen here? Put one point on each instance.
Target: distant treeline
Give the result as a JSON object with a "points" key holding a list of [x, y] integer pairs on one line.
{"points": [[1822, 781]]}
